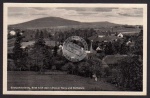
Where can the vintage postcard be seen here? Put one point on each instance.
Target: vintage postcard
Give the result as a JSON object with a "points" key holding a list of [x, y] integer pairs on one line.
{"points": [[74, 49]]}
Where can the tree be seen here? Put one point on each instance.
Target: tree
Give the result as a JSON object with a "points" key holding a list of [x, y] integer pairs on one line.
{"points": [[50, 36], [109, 49], [124, 48], [117, 46], [138, 47], [55, 50], [69, 67], [96, 66], [84, 69], [40, 41], [41, 53], [131, 70], [37, 35], [17, 50]]}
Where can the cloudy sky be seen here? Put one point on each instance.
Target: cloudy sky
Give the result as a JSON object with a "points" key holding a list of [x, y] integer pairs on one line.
{"points": [[131, 16]]}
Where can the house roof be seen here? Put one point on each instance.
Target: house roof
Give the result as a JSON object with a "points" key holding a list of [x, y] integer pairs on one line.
{"points": [[92, 37], [114, 59], [104, 64], [98, 48]]}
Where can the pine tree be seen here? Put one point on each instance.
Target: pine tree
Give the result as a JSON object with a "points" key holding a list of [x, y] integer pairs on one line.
{"points": [[40, 52], [55, 50], [37, 34], [40, 39], [17, 50]]}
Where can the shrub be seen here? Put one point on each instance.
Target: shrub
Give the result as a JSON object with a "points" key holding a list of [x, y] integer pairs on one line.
{"points": [[69, 67], [96, 66], [58, 61], [84, 69]]}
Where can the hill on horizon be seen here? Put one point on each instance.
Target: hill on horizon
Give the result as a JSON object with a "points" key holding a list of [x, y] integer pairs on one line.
{"points": [[58, 22]]}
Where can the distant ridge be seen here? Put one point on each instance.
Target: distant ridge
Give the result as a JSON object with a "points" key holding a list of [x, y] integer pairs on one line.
{"points": [[56, 21]]}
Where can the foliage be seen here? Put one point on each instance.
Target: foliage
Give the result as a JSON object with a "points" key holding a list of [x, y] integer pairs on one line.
{"points": [[84, 33], [58, 61], [96, 66], [87, 68], [18, 54], [40, 54], [128, 74], [109, 49], [55, 51], [70, 68], [17, 50], [138, 47], [84, 69]]}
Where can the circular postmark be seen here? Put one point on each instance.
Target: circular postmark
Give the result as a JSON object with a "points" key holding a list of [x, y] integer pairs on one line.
{"points": [[74, 48]]}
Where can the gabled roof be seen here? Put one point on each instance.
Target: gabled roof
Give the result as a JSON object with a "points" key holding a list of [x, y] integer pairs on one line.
{"points": [[104, 64], [98, 48], [114, 59], [93, 37]]}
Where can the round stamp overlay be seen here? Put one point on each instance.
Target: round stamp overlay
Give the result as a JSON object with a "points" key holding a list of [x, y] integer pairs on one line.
{"points": [[74, 48]]}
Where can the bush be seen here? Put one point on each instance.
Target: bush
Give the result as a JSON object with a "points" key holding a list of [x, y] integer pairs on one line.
{"points": [[70, 68], [96, 66], [59, 62], [34, 68], [84, 69], [87, 68]]}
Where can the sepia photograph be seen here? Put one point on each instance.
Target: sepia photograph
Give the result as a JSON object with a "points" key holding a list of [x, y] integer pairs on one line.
{"points": [[74, 49]]}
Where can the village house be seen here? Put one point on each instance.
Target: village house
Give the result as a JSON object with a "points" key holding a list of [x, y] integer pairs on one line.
{"points": [[120, 35], [113, 60]]}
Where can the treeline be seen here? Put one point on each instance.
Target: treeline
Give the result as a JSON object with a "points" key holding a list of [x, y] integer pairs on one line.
{"points": [[84, 33], [31, 34]]}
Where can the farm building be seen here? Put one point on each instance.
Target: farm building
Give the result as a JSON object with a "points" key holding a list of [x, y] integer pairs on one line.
{"points": [[112, 60], [120, 35]]}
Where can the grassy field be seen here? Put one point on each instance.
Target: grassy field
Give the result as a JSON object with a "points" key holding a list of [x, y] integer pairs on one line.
{"points": [[26, 80]]}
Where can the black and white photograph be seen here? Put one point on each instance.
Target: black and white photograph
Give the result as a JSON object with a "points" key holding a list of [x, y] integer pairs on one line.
{"points": [[74, 49]]}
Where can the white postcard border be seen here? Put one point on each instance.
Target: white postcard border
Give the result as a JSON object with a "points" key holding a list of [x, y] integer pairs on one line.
{"points": [[126, 93]]}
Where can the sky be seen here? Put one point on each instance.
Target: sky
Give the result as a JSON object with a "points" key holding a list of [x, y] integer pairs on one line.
{"points": [[130, 16]]}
